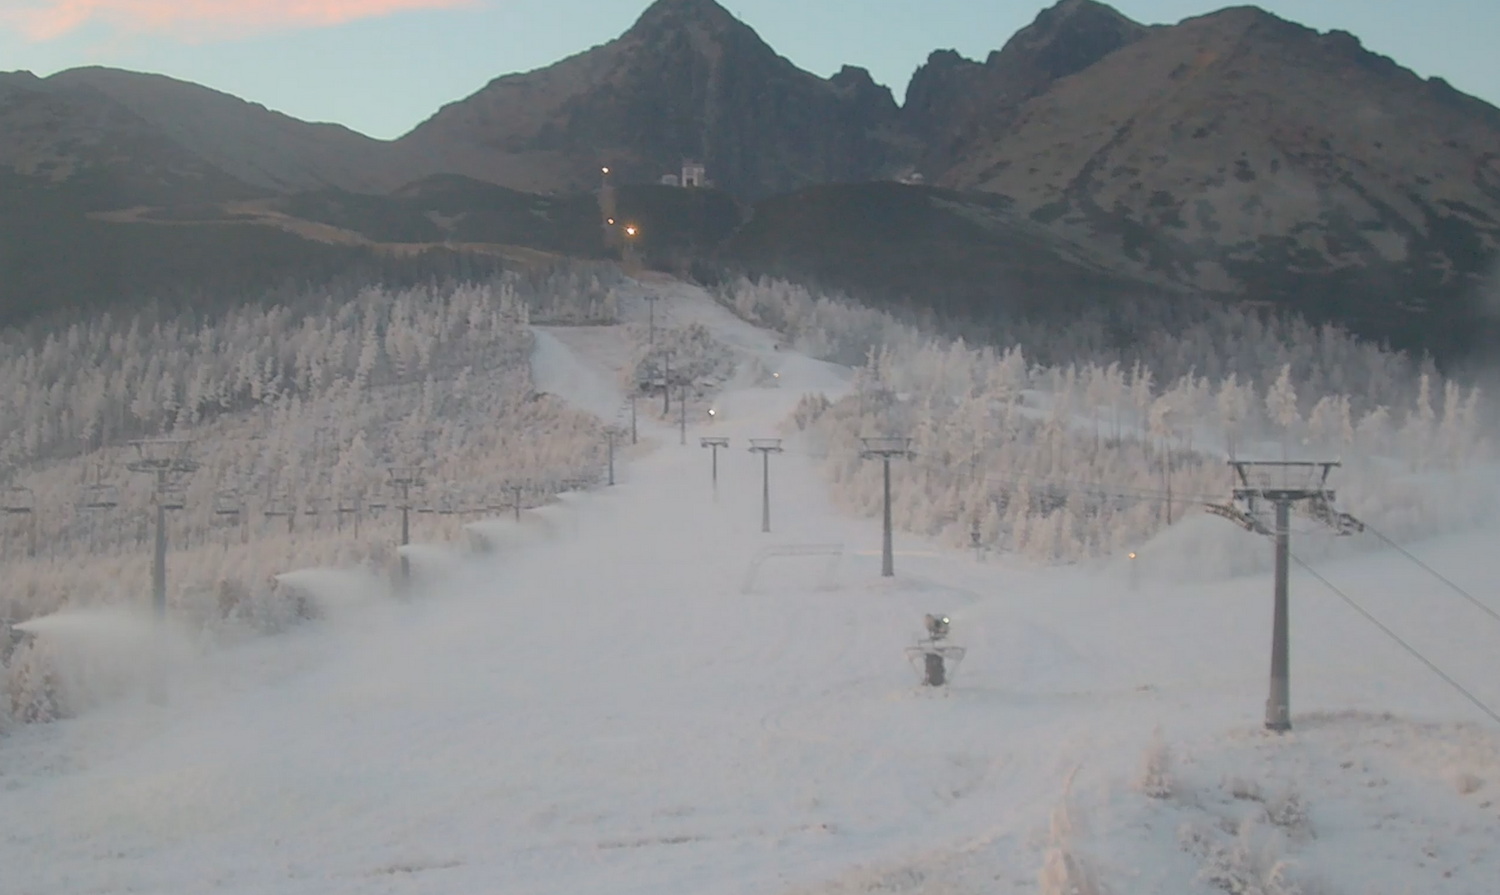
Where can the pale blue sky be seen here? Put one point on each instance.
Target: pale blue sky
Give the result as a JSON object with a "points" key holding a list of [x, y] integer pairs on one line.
{"points": [[382, 75]]}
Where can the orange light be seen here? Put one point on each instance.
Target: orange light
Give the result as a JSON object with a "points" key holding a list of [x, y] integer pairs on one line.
{"points": [[630, 230], [604, 170]]}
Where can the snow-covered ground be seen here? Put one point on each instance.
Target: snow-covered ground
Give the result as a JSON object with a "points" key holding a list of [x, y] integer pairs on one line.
{"points": [[604, 706]]}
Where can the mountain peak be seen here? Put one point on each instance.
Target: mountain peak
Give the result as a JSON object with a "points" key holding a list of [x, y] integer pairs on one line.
{"points": [[672, 14], [1066, 9], [1070, 36], [688, 80]]}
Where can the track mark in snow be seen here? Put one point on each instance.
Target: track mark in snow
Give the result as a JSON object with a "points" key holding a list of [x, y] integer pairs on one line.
{"points": [[650, 840], [691, 838], [411, 867]]}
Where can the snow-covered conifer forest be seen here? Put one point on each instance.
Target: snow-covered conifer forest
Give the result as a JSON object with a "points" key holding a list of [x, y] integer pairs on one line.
{"points": [[512, 395], [295, 414], [1093, 458]]}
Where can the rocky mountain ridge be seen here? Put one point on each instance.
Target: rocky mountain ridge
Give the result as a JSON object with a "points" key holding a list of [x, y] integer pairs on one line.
{"points": [[1241, 151], [687, 81], [1233, 154]]}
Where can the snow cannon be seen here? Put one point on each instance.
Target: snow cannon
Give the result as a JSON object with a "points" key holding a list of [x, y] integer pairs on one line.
{"points": [[11, 639], [935, 661]]}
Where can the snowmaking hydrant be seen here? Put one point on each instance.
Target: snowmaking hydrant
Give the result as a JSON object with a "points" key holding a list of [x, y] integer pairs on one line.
{"points": [[935, 660]]}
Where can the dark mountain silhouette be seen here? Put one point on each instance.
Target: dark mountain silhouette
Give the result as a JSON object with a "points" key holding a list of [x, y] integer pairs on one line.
{"points": [[1233, 155], [688, 80]]}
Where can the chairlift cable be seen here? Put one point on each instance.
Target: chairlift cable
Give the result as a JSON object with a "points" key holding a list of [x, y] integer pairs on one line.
{"points": [[1434, 573], [1395, 637], [1071, 486]]}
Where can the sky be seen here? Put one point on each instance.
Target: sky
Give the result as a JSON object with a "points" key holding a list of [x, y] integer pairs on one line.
{"points": [[383, 66]]}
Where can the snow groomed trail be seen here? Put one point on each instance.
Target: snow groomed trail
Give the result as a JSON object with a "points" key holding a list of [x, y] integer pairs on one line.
{"points": [[602, 707]]}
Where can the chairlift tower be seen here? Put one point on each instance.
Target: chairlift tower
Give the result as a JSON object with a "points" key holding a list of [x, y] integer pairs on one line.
{"points": [[21, 501], [765, 447], [714, 443], [1282, 483], [167, 460], [651, 299], [230, 506], [886, 448], [281, 504], [403, 479], [97, 495], [312, 506], [348, 505], [666, 385], [610, 434], [515, 498]]}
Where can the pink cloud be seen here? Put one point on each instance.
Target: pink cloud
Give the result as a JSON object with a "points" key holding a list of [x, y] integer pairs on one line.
{"points": [[42, 20]]}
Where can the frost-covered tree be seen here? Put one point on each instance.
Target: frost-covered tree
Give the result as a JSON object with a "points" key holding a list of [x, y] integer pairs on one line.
{"points": [[1281, 405], [1018, 445]]}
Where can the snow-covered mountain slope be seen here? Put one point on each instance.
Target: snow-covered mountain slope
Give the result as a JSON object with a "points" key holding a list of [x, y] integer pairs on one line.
{"points": [[614, 703]]}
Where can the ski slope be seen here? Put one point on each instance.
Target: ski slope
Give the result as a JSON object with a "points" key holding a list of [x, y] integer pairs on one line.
{"points": [[600, 706]]}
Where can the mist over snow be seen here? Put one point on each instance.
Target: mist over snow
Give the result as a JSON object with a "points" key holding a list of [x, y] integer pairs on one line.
{"points": [[631, 688]]}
